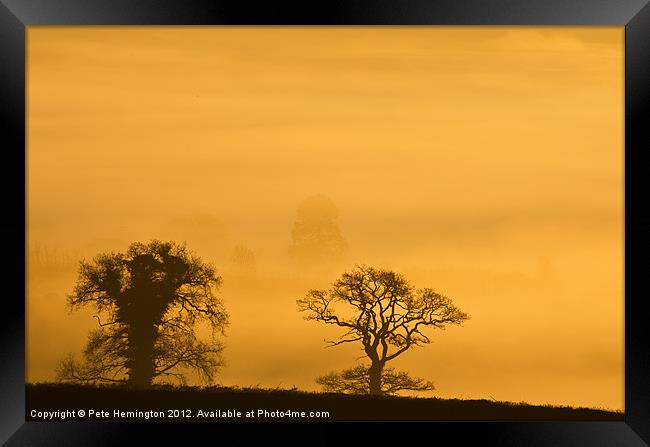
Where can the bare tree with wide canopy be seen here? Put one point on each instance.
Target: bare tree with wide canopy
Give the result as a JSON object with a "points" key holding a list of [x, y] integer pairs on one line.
{"points": [[383, 312]]}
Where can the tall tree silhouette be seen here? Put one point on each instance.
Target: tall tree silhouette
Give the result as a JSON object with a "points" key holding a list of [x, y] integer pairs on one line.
{"points": [[149, 302], [316, 237], [381, 311]]}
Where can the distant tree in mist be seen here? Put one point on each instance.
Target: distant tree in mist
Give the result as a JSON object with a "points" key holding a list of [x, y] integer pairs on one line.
{"points": [[357, 381], [380, 310], [242, 261], [42, 258], [316, 237], [149, 301]]}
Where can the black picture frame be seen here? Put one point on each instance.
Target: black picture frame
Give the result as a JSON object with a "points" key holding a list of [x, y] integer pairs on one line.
{"points": [[16, 15]]}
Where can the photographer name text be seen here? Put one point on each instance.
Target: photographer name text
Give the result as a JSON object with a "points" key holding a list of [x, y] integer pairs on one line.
{"points": [[98, 414]]}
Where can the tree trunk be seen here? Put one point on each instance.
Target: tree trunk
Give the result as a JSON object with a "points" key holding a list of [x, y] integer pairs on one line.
{"points": [[141, 343], [375, 378]]}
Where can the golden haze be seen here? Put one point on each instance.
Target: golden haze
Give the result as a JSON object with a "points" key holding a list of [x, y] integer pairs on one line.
{"points": [[484, 162]]}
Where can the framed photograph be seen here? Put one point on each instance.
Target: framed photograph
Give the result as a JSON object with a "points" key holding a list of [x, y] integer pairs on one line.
{"points": [[252, 216]]}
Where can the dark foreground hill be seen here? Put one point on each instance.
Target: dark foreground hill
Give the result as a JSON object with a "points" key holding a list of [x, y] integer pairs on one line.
{"points": [[110, 403]]}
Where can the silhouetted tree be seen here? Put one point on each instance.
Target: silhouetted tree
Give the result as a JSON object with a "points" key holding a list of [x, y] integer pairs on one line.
{"points": [[316, 237], [383, 312], [357, 381], [149, 302]]}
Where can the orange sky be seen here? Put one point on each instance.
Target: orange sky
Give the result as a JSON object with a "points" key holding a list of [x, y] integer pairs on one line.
{"points": [[484, 162]]}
